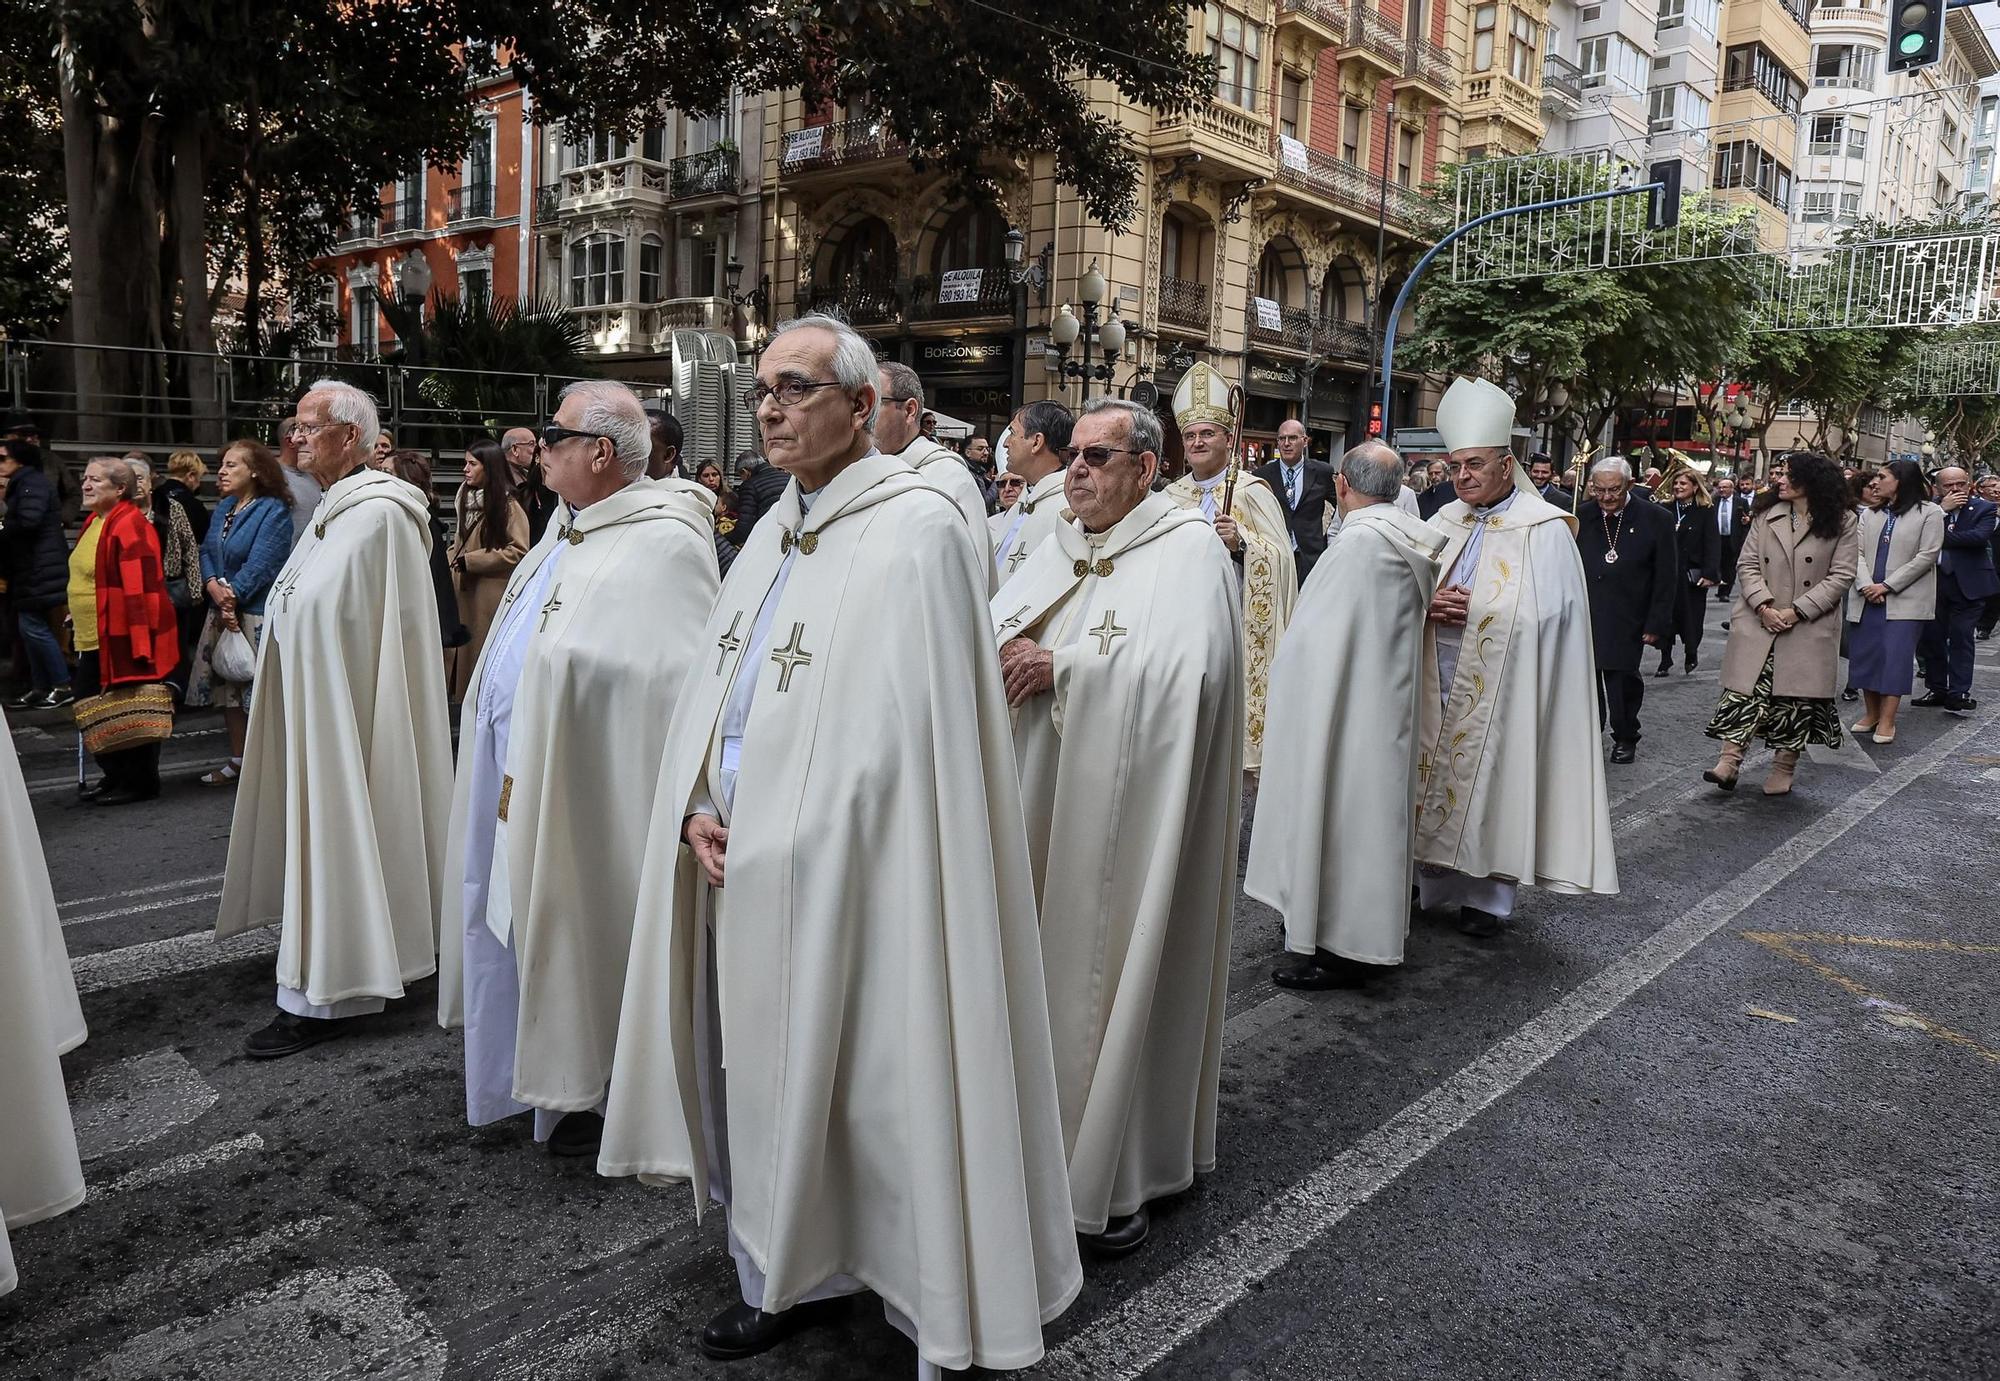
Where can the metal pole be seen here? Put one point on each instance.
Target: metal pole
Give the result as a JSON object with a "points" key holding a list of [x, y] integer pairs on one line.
{"points": [[1410, 283]]}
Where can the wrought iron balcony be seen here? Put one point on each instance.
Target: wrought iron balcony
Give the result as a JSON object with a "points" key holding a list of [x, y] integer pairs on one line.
{"points": [[470, 201], [1353, 187], [1184, 303], [1329, 15], [548, 197], [1429, 63], [863, 301], [1344, 340], [843, 142], [1373, 37], [403, 213], [1293, 331], [1562, 83], [991, 295], [703, 174]]}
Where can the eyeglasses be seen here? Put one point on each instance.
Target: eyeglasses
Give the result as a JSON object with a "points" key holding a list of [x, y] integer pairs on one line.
{"points": [[553, 436], [790, 392], [315, 428], [1096, 457]]}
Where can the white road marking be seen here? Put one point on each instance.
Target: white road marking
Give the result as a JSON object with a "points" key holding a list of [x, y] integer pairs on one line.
{"points": [[317, 1325], [149, 891], [155, 959], [176, 1166], [1279, 1006], [1151, 1324], [134, 1101], [1850, 754], [139, 908]]}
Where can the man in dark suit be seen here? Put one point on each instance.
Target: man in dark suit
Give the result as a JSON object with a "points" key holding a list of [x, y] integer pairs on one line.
{"points": [[1966, 579], [1989, 618], [1441, 492], [1305, 488], [1732, 525], [1542, 474], [1631, 569]]}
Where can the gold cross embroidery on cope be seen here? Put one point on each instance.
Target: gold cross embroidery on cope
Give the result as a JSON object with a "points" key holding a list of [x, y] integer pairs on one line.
{"points": [[1106, 631], [554, 605], [285, 588], [728, 642], [790, 658], [1020, 555]]}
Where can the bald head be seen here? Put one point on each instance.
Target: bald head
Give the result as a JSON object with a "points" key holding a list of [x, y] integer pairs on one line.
{"points": [[519, 445], [1370, 473], [1292, 440]]}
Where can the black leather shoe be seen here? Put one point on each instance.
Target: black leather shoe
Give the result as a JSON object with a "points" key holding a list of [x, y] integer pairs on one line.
{"points": [[578, 1134], [1624, 752], [1323, 970], [1930, 700], [1850, 695], [94, 790], [1121, 1236], [1960, 704], [1688, 670], [1480, 925], [740, 1331], [1725, 625], [121, 796], [289, 1034], [1665, 667]]}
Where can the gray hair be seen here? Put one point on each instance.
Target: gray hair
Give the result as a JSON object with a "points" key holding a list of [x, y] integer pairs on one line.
{"points": [[118, 471], [613, 411], [1373, 469], [903, 380], [854, 363], [346, 403], [1613, 465], [1142, 424]]}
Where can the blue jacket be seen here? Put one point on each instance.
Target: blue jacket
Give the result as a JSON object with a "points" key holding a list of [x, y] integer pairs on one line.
{"points": [[1968, 555], [253, 553]]}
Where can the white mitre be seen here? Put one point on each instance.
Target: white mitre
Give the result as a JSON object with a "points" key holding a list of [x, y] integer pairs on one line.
{"points": [[1202, 397], [1475, 414], [1000, 453]]}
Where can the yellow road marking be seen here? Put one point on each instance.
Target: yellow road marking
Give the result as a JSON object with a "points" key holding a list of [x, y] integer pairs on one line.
{"points": [[1789, 944]]}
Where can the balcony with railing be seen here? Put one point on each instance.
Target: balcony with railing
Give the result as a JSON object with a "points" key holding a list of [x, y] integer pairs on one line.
{"points": [[401, 214], [548, 197], [710, 174], [864, 301], [1562, 85], [470, 201], [1373, 40], [1325, 21], [974, 292], [1184, 305], [844, 143], [1430, 64], [632, 178], [1351, 187], [1231, 140], [1497, 94], [1290, 331], [363, 225], [1344, 340], [647, 327]]}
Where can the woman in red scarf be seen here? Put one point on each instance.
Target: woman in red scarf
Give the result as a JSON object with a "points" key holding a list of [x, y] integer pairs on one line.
{"points": [[126, 630]]}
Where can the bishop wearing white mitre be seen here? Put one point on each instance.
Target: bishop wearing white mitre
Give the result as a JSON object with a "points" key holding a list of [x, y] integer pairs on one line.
{"points": [[897, 431], [1331, 845], [1121, 646], [559, 755], [40, 1021], [837, 911], [1251, 523], [1510, 770], [345, 795], [1034, 446]]}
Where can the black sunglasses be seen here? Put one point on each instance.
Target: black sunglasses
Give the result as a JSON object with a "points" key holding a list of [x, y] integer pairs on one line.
{"points": [[552, 435]]}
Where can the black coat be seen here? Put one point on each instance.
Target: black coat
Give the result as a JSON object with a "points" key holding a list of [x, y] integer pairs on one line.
{"points": [[1699, 539], [1739, 531], [32, 551], [173, 491], [1436, 497], [756, 494], [1308, 520], [1634, 595]]}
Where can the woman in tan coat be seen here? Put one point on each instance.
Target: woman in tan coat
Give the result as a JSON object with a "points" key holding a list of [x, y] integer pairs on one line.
{"points": [[1781, 667], [1894, 595], [492, 538]]}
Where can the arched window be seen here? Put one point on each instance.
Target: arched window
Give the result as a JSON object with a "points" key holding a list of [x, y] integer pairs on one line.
{"points": [[1271, 275], [866, 253], [974, 238], [1187, 245], [1342, 296], [597, 271]]}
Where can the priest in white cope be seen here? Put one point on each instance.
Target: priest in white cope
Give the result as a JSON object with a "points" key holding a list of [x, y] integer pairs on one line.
{"points": [[837, 910], [345, 794], [897, 432], [559, 757], [1251, 523], [40, 1021], [1120, 642], [1330, 848], [1034, 445], [1511, 772]]}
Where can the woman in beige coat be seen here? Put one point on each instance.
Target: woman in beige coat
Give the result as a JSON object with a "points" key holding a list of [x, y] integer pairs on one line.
{"points": [[1781, 667], [1895, 594], [492, 538]]}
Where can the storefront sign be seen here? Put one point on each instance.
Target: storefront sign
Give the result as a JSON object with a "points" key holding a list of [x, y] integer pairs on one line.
{"points": [[1271, 380], [963, 355]]}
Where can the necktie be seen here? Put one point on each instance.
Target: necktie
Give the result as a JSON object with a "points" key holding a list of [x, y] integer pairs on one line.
{"points": [[1292, 485]]}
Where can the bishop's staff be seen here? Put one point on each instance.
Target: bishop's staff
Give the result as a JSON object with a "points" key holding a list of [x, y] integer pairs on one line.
{"points": [[1237, 401]]}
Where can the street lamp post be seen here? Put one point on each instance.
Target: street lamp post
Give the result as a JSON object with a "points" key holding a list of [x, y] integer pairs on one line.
{"points": [[1066, 329], [758, 299], [1022, 276], [413, 286]]}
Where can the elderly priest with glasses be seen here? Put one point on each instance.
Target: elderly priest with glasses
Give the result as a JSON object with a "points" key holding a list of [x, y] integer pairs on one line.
{"points": [[565, 719], [345, 796], [1510, 773], [834, 1018], [1120, 642]]}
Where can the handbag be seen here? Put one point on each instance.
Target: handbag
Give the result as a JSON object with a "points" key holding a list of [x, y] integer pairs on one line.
{"points": [[125, 717], [233, 659]]}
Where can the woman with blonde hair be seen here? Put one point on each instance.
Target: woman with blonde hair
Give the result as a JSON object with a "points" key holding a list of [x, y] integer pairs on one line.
{"points": [[1699, 542]]}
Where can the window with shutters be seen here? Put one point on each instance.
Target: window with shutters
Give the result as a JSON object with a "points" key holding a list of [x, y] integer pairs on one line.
{"points": [[1522, 34]]}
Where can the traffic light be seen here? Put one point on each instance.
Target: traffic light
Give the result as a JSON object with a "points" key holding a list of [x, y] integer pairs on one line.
{"points": [[1916, 34], [1663, 212]]}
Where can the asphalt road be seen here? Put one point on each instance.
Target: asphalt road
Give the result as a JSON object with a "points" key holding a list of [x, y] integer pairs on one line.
{"points": [[1736, 1124]]}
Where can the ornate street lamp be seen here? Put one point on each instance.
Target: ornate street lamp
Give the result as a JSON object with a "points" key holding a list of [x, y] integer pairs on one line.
{"points": [[1067, 329]]}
